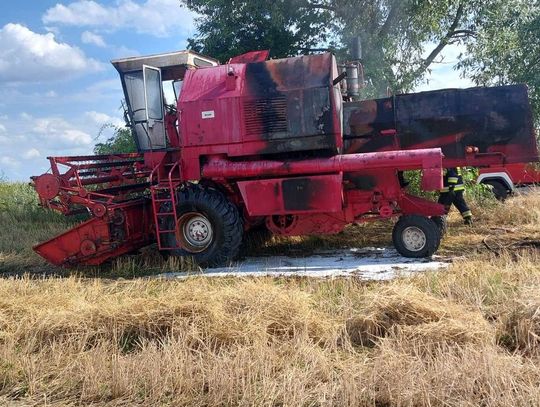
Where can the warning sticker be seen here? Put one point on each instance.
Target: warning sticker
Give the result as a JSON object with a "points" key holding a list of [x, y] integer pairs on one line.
{"points": [[208, 114]]}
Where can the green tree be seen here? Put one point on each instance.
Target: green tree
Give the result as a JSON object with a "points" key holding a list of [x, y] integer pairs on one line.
{"points": [[402, 39], [286, 27], [507, 48], [120, 142], [394, 33]]}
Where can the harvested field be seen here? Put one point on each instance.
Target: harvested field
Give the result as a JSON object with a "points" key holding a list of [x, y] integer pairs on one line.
{"points": [[465, 336]]}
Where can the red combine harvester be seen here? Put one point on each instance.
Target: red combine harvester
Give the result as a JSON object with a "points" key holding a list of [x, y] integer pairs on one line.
{"points": [[252, 143]]}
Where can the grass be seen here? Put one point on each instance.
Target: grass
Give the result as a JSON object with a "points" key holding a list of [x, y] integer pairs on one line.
{"points": [[467, 336]]}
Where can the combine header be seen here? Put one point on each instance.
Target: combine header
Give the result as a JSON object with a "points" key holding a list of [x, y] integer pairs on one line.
{"points": [[252, 143]]}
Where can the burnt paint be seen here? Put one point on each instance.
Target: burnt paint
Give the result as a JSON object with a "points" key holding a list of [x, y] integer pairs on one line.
{"points": [[296, 91], [450, 118], [360, 181], [290, 145], [298, 193]]}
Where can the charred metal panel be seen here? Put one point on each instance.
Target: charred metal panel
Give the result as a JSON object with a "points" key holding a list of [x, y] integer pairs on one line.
{"points": [[495, 120], [315, 194], [303, 86], [361, 181], [277, 106], [266, 117]]}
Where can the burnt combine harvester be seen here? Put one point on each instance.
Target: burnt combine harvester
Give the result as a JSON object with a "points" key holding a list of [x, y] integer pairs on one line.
{"points": [[252, 143], [249, 143]]}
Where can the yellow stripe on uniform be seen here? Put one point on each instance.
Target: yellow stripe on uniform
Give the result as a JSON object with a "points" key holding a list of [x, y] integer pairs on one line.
{"points": [[453, 180], [466, 214]]}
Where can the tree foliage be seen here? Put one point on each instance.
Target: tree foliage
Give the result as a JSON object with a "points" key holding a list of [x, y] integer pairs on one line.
{"points": [[507, 48], [402, 39], [120, 142], [286, 27], [394, 33]]}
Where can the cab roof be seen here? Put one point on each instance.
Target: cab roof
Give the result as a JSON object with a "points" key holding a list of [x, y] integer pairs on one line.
{"points": [[172, 64]]}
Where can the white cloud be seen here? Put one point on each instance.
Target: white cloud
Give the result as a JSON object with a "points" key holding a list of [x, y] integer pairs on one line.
{"points": [[124, 52], [32, 153], [102, 118], [9, 161], [54, 30], [31, 57], [89, 37], [2, 129], [61, 132], [30, 138], [160, 18]]}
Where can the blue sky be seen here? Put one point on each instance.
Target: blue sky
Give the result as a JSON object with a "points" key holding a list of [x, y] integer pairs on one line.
{"points": [[57, 87]]}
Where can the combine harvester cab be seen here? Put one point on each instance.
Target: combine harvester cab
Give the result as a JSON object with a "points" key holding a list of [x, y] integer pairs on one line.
{"points": [[251, 143]]}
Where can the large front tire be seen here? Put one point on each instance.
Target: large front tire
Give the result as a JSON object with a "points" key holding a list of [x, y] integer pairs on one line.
{"points": [[416, 236], [208, 228]]}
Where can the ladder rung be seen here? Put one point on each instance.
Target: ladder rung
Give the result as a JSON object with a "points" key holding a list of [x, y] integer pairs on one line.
{"points": [[163, 200], [165, 213], [166, 231]]}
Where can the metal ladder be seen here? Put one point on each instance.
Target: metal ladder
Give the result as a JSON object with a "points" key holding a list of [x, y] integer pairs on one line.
{"points": [[162, 193]]}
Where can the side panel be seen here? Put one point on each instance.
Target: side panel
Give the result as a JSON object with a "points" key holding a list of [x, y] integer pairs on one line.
{"points": [[276, 106], [280, 196], [497, 120]]}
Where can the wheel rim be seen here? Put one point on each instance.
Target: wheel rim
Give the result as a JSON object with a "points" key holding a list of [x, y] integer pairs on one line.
{"points": [[414, 238], [194, 232]]}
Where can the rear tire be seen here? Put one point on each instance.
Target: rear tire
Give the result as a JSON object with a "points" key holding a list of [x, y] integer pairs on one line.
{"points": [[416, 236], [209, 227], [441, 223], [498, 188]]}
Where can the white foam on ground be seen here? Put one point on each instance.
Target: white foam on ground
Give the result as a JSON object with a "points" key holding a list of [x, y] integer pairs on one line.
{"points": [[365, 263]]}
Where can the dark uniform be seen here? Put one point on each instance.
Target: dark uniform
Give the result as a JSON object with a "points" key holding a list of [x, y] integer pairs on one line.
{"points": [[452, 193]]}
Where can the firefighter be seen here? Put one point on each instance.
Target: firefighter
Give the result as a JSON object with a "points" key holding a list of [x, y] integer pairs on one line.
{"points": [[452, 193]]}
